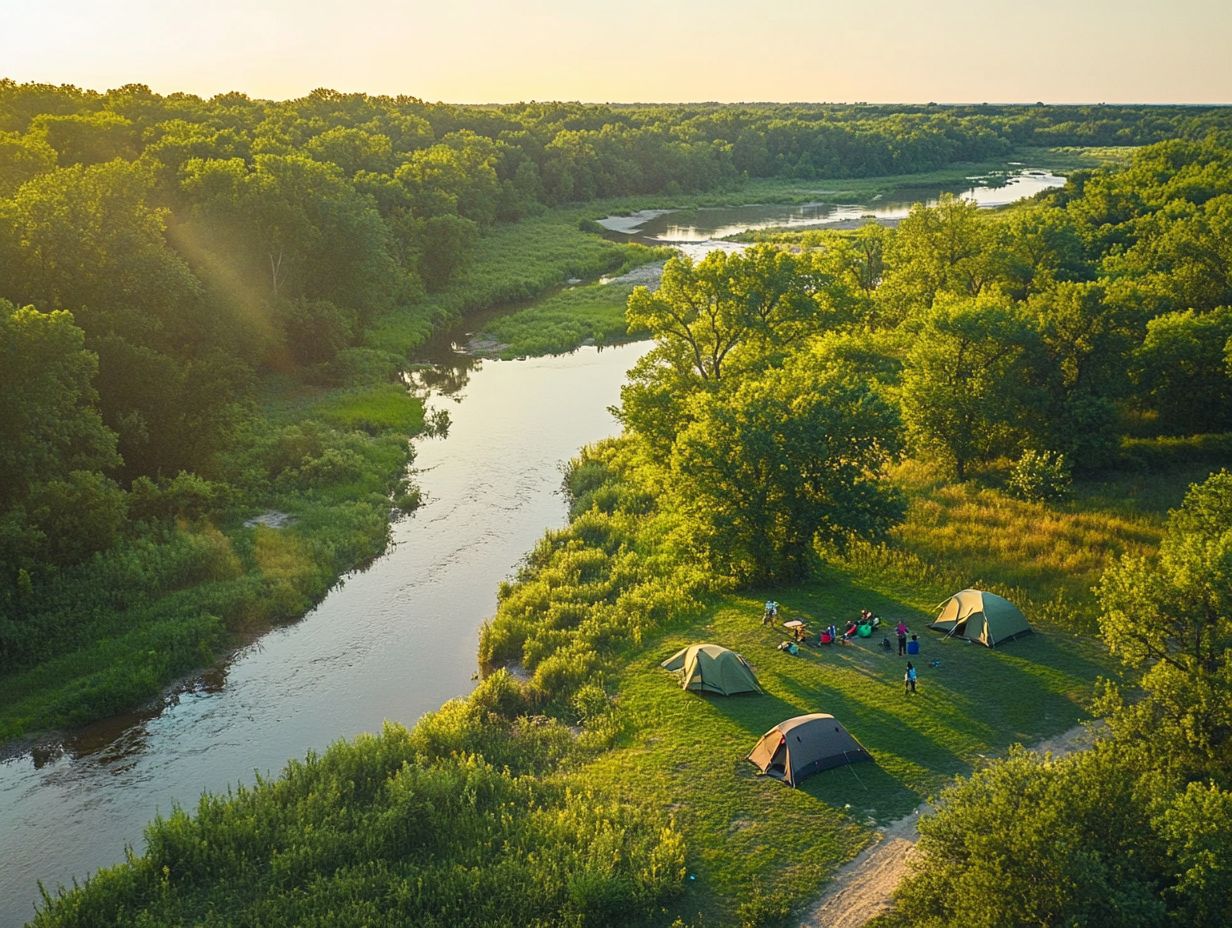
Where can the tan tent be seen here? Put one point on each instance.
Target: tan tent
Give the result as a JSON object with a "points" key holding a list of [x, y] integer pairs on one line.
{"points": [[712, 668], [802, 746], [978, 616]]}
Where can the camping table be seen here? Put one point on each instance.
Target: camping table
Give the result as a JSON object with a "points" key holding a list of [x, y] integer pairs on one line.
{"points": [[797, 628]]}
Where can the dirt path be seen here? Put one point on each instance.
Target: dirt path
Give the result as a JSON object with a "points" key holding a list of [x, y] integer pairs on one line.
{"points": [[861, 890]]}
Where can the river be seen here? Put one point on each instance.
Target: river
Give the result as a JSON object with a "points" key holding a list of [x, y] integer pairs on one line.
{"points": [[391, 642], [705, 229]]}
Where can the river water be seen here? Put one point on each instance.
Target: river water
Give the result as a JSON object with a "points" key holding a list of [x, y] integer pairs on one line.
{"points": [[698, 231], [393, 641]]}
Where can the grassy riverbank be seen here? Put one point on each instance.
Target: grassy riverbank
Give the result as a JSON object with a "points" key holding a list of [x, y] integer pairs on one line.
{"points": [[316, 466]]}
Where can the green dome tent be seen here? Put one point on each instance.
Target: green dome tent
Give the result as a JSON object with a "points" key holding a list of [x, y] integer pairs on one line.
{"points": [[807, 744], [978, 616], [711, 668]]}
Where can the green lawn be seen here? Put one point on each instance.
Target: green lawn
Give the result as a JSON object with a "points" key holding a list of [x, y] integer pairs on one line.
{"points": [[686, 752]]}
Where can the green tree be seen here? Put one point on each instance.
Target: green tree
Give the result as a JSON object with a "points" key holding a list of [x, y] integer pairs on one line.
{"points": [[445, 242], [1087, 341], [705, 315], [947, 248], [965, 384], [88, 238], [49, 423], [1182, 370], [717, 320], [86, 138], [1028, 842], [767, 466], [1195, 828], [21, 158], [1042, 246], [293, 227], [1171, 619]]}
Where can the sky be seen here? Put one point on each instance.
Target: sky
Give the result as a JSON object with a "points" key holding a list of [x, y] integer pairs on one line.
{"points": [[475, 51]]}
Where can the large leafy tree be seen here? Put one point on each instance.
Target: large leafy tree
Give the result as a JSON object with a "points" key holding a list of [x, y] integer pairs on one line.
{"points": [[966, 383], [1085, 340], [1181, 369], [947, 248], [1171, 618], [49, 423], [718, 320], [56, 504], [88, 239], [767, 467], [293, 227], [721, 313]]}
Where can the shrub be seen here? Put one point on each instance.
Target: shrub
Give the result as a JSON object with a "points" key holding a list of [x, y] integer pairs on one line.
{"points": [[1040, 476]]}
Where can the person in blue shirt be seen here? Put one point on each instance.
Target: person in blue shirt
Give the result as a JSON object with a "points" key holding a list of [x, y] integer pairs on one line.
{"points": [[913, 646], [909, 679]]}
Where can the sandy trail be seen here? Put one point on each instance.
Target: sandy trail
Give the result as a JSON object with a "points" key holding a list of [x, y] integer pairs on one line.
{"points": [[862, 889]]}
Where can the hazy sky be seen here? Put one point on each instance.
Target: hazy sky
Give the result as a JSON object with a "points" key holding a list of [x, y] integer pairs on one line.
{"points": [[635, 50]]}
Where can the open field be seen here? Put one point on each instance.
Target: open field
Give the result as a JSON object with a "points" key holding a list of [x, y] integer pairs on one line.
{"points": [[686, 752]]}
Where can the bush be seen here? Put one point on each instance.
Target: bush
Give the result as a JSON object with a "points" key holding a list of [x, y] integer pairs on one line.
{"points": [[1040, 476]]}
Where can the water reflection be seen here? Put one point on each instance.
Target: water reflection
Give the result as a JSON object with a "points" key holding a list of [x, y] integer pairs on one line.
{"points": [[710, 225]]}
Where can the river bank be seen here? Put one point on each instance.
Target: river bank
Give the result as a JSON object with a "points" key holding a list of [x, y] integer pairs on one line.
{"points": [[393, 641]]}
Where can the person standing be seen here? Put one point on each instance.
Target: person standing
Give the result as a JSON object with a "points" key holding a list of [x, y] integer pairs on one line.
{"points": [[901, 630], [771, 610], [909, 680]]}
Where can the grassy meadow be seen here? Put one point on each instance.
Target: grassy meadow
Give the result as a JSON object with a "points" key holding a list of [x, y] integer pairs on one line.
{"points": [[745, 834], [687, 752]]}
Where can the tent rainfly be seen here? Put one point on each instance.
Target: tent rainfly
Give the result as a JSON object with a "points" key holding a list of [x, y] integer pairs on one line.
{"points": [[978, 616], [711, 668], [805, 745]]}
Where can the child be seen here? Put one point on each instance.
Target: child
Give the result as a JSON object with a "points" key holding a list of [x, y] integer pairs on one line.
{"points": [[913, 646], [909, 680]]}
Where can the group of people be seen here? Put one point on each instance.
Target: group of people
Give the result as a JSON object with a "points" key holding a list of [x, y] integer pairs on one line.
{"points": [[861, 627]]}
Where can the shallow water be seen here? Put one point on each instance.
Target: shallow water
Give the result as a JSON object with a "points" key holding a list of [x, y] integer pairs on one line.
{"points": [[697, 231], [391, 642]]}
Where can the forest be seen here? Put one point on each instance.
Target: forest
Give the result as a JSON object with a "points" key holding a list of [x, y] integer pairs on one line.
{"points": [[206, 306]]}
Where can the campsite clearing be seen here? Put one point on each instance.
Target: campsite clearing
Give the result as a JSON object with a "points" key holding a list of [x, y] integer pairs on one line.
{"points": [[688, 754]]}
